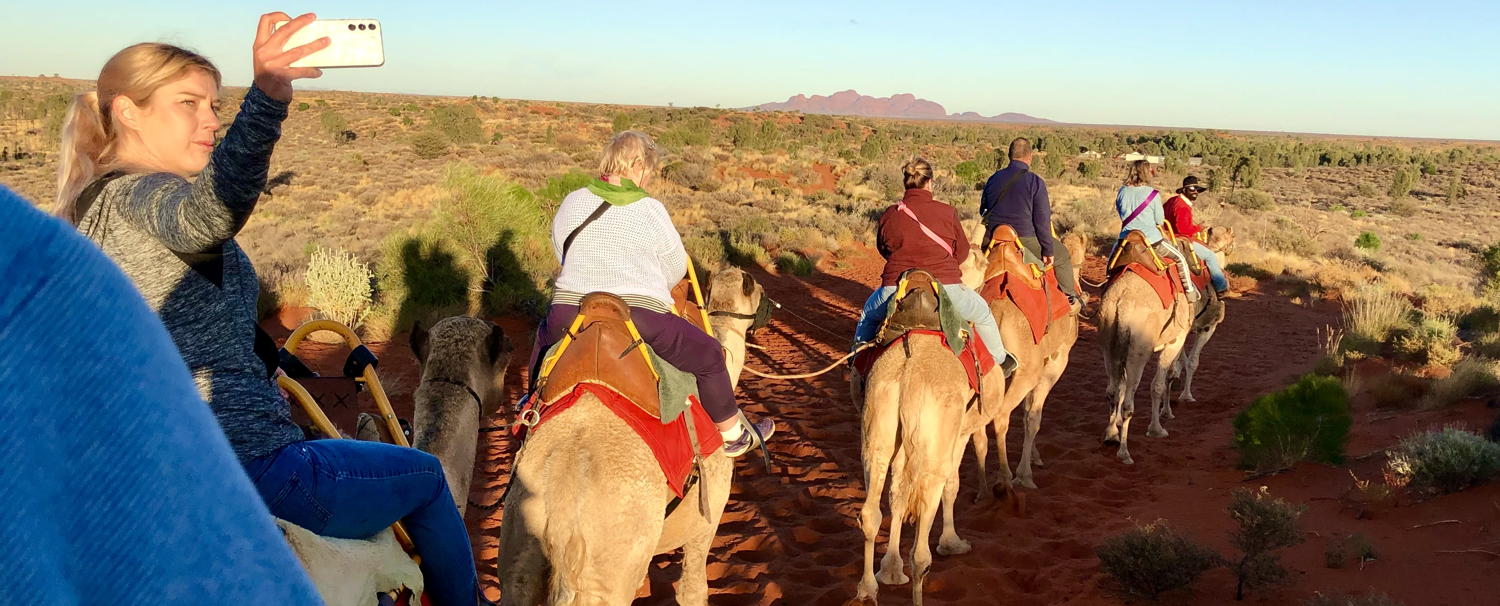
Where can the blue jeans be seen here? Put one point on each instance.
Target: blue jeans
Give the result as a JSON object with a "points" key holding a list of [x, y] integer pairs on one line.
{"points": [[1215, 272], [351, 489], [970, 305]]}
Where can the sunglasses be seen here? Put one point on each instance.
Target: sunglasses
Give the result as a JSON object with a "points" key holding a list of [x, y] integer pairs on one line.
{"points": [[1196, 189]]}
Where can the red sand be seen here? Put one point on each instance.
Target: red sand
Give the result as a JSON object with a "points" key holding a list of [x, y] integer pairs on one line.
{"points": [[790, 537]]}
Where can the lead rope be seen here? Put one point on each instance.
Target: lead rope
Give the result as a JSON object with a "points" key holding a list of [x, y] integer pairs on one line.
{"points": [[807, 375]]}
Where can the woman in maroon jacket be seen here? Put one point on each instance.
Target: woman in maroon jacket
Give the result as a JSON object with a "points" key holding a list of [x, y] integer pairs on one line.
{"points": [[923, 233]]}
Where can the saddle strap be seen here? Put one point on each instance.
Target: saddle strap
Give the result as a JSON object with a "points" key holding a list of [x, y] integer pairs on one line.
{"points": [[948, 248], [593, 216]]}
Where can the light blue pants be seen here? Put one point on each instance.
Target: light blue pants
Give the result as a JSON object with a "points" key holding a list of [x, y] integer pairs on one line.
{"points": [[970, 305], [1215, 272]]}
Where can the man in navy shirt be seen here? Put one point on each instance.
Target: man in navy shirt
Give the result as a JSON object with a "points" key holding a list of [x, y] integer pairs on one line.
{"points": [[1017, 197], [116, 484]]}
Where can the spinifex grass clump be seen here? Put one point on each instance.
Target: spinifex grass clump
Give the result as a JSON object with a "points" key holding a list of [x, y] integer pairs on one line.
{"points": [[1308, 421], [1150, 560]]}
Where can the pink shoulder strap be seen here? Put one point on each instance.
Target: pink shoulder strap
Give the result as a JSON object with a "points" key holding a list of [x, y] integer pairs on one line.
{"points": [[935, 238]]}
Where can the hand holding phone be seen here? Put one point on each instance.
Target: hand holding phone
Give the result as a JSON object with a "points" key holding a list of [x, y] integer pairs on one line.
{"points": [[273, 59]]}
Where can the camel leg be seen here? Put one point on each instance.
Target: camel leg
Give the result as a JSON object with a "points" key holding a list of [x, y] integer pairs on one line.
{"points": [[1191, 362], [1159, 393], [1125, 399], [949, 543], [522, 567], [921, 552], [692, 587], [1112, 370], [981, 440], [891, 572], [1002, 428], [1034, 404], [880, 425]]}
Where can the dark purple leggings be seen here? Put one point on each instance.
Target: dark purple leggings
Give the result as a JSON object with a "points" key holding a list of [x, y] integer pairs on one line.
{"points": [[674, 339]]}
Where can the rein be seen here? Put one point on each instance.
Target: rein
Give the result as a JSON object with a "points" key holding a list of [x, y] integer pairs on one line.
{"points": [[808, 375]]}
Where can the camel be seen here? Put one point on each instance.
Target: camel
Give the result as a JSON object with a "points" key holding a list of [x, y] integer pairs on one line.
{"points": [[1041, 366], [585, 509], [463, 369], [463, 380], [1207, 315], [916, 416], [1133, 326]]}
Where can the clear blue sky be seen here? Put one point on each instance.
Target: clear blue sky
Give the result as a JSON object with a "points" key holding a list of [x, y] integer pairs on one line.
{"points": [[1424, 69]]}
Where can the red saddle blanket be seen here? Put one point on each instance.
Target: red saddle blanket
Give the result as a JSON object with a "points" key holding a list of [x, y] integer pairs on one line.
{"points": [[975, 357], [668, 441], [1034, 303], [1167, 284]]}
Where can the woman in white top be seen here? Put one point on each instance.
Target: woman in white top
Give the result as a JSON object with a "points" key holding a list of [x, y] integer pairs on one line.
{"points": [[611, 236]]}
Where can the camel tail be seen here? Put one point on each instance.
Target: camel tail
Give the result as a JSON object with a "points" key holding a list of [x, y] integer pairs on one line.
{"points": [[923, 453], [1116, 337]]}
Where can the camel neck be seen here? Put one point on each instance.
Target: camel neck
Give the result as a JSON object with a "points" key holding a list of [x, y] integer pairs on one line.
{"points": [[730, 333]]}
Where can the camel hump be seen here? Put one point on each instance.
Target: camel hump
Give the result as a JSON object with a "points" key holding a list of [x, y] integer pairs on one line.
{"points": [[1134, 248], [604, 351]]}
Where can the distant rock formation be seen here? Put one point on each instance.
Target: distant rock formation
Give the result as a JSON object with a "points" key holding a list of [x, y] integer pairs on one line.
{"points": [[905, 105]]}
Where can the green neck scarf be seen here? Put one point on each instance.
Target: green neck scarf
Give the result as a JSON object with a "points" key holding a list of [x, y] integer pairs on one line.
{"points": [[626, 192]]}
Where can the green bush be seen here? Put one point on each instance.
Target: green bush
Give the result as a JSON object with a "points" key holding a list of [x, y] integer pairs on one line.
{"points": [[707, 252], [334, 123], [1153, 559], [303, 106], [1307, 421], [500, 231], [459, 123], [1250, 199], [1490, 259], [1402, 182], [1263, 527], [691, 175], [1431, 340], [795, 264], [1367, 241], [338, 286], [1443, 461], [558, 187], [970, 172], [418, 277], [429, 145]]}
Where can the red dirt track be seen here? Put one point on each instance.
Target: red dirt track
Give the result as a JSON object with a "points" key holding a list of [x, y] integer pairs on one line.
{"points": [[790, 537]]}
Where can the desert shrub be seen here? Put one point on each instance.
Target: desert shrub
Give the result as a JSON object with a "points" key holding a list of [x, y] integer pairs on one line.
{"points": [[1307, 421], [1370, 599], [691, 175], [695, 131], [1358, 214], [1367, 241], [971, 173], [429, 144], [1401, 183], [707, 252], [1443, 461], [795, 264], [418, 277], [1341, 549], [338, 286], [1150, 560], [621, 123], [1456, 189], [1250, 199], [500, 232], [559, 186], [1247, 171], [1264, 526], [460, 124], [334, 124], [1367, 190], [1396, 390], [744, 251], [1372, 315], [1403, 207], [1090, 169], [1490, 262], [303, 106], [1431, 340]]}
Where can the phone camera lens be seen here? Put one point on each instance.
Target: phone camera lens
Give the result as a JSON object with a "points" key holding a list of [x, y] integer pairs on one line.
{"points": [[351, 27], [372, 26], [361, 27]]}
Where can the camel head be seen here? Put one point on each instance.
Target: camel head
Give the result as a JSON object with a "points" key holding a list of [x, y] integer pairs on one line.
{"points": [[468, 350], [974, 266], [737, 302], [1221, 242]]}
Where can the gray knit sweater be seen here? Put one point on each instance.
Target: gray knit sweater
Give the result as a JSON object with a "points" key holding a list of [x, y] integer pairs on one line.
{"points": [[144, 221]]}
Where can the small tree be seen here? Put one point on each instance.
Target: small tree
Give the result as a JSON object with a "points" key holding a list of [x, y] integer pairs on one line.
{"points": [[1403, 180], [1264, 526], [429, 144], [1367, 241], [1456, 189], [335, 124], [459, 123], [1247, 171], [1308, 421]]}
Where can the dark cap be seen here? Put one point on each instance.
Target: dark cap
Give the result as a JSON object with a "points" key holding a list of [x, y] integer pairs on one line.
{"points": [[1192, 181]]}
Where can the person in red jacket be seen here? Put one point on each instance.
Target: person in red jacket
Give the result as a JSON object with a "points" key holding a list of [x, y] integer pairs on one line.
{"points": [[923, 233], [1180, 214]]}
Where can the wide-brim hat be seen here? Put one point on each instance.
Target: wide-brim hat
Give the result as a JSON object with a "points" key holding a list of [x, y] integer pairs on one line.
{"points": [[1191, 181]]}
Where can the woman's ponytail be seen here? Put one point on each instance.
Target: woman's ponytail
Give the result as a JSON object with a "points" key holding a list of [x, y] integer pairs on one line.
{"points": [[84, 143]]}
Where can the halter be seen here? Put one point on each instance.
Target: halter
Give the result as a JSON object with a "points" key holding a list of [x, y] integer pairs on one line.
{"points": [[472, 393], [760, 319]]}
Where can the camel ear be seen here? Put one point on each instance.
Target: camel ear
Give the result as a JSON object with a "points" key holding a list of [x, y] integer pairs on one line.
{"points": [[419, 342], [747, 284], [498, 346]]}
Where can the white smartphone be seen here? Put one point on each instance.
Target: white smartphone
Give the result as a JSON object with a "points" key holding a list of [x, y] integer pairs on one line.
{"points": [[351, 43]]}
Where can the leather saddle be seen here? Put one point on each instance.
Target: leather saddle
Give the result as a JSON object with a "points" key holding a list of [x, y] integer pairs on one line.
{"points": [[1008, 258], [605, 351], [1133, 248], [684, 306], [916, 307]]}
